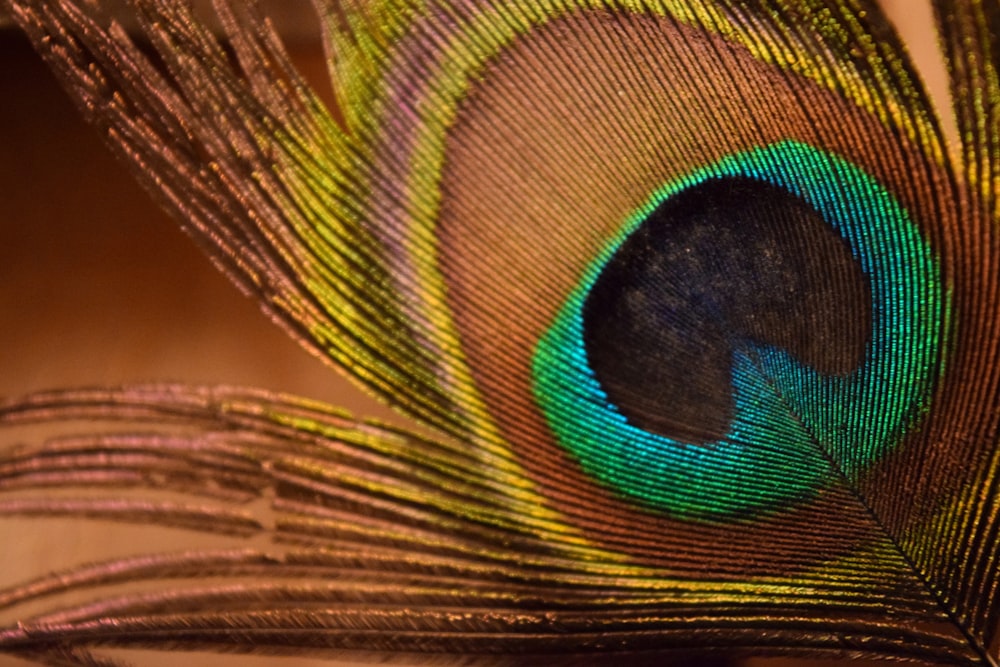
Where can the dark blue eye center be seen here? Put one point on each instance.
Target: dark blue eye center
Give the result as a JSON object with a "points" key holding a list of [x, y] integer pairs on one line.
{"points": [[725, 263]]}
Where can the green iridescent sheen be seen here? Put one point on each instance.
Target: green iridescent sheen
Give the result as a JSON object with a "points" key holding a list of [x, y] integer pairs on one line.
{"points": [[791, 425]]}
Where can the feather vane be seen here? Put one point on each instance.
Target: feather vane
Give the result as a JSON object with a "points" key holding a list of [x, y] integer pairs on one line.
{"points": [[695, 315]]}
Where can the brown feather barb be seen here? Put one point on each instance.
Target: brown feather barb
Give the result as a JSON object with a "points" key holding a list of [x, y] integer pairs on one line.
{"points": [[687, 317]]}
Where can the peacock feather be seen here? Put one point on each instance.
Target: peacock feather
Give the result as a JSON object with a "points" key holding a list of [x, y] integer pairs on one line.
{"points": [[693, 311]]}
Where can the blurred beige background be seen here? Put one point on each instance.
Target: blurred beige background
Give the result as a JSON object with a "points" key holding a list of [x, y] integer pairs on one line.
{"points": [[97, 287]]}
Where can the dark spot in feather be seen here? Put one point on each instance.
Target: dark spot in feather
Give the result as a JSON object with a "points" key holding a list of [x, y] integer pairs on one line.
{"points": [[724, 263]]}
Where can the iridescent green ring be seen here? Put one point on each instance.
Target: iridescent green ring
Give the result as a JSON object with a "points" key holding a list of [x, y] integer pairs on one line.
{"points": [[793, 429]]}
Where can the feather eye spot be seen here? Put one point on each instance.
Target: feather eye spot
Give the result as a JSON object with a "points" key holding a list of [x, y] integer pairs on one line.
{"points": [[697, 370]]}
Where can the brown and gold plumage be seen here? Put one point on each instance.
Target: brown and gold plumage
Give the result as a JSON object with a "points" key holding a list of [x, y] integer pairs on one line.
{"points": [[694, 314]]}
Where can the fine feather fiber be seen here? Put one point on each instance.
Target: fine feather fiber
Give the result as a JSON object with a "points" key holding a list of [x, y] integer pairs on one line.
{"points": [[684, 313]]}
